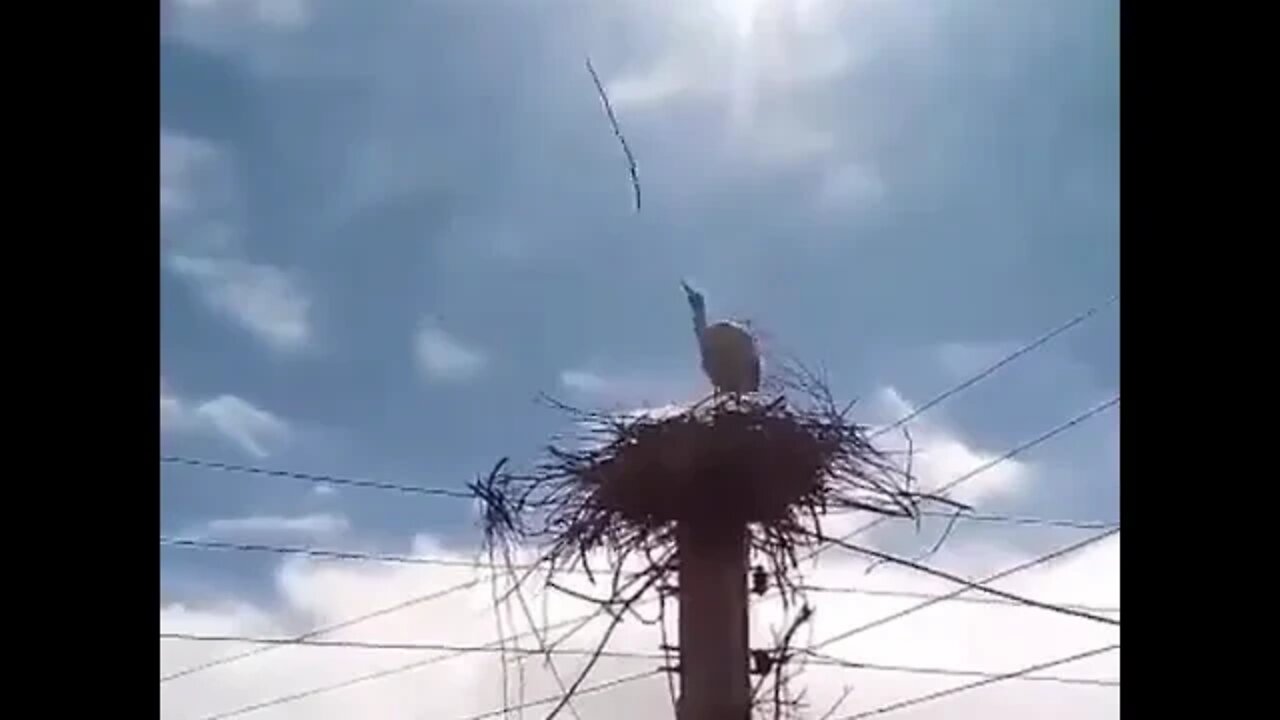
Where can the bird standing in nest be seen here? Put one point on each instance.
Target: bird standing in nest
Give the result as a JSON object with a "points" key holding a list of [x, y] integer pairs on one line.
{"points": [[729, 355]]}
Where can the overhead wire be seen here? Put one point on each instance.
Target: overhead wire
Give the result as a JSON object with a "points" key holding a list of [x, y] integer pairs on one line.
{"points": [[314, 477], [905, 595], [1000, 677], [557, 698], [820, 659], [988, 465], [418, 600], [199, 543], [991, 369], [1020, 567], [980, 586], [824, 660], [413, 560], [1022, 520]]}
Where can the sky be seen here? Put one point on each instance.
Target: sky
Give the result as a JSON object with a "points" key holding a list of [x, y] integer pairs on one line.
{"points": [[386, 227]]}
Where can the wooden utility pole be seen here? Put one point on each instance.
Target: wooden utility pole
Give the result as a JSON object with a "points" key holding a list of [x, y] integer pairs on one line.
{"points": [[714, 672]]}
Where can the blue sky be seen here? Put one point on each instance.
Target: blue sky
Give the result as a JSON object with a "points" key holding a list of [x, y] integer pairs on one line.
{"points": [[386, 226]]}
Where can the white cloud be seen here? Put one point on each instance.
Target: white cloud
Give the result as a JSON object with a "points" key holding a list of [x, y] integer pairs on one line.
{"points": [[963, 359], [584, 381], [198, 201], [625, 388], [281, 14], [942, 455], [443, 358], [275, 525], [252, 429], [201, 221], [850, 188], [265, 300], [761, 66]]}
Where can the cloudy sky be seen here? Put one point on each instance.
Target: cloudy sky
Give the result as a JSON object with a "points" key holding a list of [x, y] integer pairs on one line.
{"points": [[387, 226]]}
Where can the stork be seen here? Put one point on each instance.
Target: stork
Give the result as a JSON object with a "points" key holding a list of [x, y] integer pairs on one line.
{"points": [[729, 355]]}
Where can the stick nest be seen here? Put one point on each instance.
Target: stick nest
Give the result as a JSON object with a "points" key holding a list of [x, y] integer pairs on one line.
{"points": [[775, 461]]}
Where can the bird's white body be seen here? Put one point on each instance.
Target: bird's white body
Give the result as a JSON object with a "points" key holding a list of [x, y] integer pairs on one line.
{"points": [[730, 358], [729, 355]]}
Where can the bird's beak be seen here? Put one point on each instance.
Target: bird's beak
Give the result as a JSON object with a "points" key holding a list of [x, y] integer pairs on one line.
{"points": [[687, 290]]}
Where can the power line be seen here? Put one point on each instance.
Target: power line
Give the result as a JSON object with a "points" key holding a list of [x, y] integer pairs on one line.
{"points": [[1022, 520], [820, 659], [314, 478], [366, 645], [415, 665], [984, 467], [1074, 547], [829, 660], [930, 596], [991, 369], [374, 557], [455, 653], [326, 629], [556, 698], [326, 553], [969, 585], [980, 683], [334, 554]]}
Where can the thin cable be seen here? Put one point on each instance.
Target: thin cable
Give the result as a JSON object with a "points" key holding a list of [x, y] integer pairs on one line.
{"points": [[556, 698], [831, 661], [316, 691], [333, 554], [820, 659], [415, 665], [980, 587], [327, 554], [326, 629], [991, 369], [1074, 547], [930, 596], [984, 467], [980, 683], [1022, 520], [409, 647], [315, 478]]}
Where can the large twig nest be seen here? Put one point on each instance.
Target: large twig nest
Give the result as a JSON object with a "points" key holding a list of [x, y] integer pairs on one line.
{"points": [[774, 461], [734, 461]]}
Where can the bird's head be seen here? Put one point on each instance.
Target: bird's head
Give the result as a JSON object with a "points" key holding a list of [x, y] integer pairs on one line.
{"points": [[695, 298]]}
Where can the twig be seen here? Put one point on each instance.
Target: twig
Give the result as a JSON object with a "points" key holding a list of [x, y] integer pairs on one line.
{"points": [[604, 641], [844, 695], [617, 131]]}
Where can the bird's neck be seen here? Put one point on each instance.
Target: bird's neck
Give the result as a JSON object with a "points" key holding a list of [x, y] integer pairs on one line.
{"points": [[699, 321]]}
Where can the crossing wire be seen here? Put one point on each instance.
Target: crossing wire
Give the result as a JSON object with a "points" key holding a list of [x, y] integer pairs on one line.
{"points": [[820, 659], [930, 697], [1040, 560], [314, 477]]}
